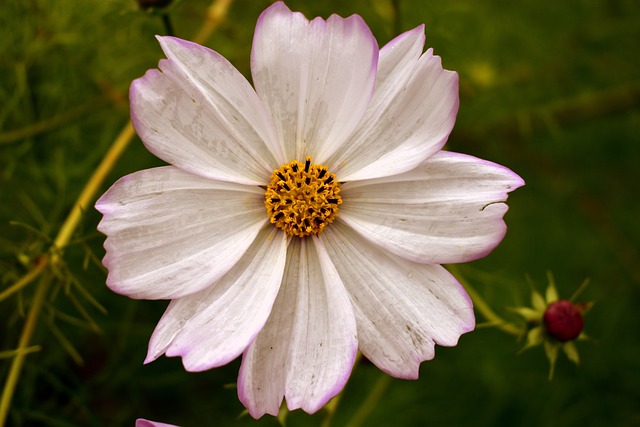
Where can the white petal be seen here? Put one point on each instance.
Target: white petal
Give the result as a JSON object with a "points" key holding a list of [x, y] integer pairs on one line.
{"points": [[410, 116], [171, 233], [202, 115], [212, 327], [315, 77], [447, 210], [306, 350], [402, 308]]}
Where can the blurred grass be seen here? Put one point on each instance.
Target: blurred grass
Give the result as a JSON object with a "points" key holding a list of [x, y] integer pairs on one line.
{"points": [[549, 89]]}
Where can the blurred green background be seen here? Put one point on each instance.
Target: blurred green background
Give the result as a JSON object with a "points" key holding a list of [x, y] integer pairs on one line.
{"points": [[549, 89]]}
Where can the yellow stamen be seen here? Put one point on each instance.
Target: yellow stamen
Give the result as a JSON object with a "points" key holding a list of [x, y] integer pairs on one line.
{"points": [[302, 198]]}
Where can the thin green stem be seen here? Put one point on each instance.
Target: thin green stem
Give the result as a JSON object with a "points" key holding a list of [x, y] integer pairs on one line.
{"points": [[49, 124], [332, 405], [26, 279], [12, 353], [216, 13], [397, 17], [481, 305], [370, 403], [168, 27], [22, 350], [330, 409]]}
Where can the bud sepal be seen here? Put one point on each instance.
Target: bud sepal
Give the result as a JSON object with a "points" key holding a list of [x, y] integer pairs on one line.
{"points": [[554, 323]]}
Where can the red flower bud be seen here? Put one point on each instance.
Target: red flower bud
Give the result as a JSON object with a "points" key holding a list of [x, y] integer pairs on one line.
{"points": [[563, 320]]}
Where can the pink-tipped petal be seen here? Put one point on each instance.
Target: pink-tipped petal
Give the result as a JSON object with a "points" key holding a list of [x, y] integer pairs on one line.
{"points": [[447, 210], [402, 308], [316, 77], [141, 422], [212, 327], [307, 348], [200, 114], [410, 116], [171, 233]]}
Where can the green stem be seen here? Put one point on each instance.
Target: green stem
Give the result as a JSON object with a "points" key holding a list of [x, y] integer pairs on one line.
{"points": [[166, 20], [22, 351], [397, 17], [12, 353], [332, 405], [48, 124], [482, 306], [371, 402], [26, 279], [216, 13]]}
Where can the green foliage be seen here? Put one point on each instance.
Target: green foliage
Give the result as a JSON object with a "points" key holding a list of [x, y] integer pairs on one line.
{"points": [[550, 90]]}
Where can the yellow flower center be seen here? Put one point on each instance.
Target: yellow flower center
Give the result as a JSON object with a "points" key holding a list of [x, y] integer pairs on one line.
{"points": [[302, 198]]}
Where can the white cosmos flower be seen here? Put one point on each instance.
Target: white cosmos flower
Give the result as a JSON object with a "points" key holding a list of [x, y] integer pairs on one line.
{"points": [[298, 308]]}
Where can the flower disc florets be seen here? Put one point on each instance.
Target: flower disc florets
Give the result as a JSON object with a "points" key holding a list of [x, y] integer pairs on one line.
{"points": [[302, 198]]}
